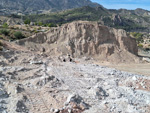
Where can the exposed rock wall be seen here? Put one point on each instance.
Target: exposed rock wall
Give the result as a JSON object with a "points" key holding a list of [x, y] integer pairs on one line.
{"points": [[85, 39]]}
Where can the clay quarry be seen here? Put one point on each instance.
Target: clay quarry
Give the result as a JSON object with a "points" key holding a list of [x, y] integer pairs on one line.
{"points": [[80, 67]]}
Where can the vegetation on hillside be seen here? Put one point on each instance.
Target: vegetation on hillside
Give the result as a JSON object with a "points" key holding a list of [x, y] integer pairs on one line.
{"points": [[18, 35], [11, 33], [5, 25], [142, 39], [84, 13], [99, 14], [27, 21], [4, 32], [137, 36]]}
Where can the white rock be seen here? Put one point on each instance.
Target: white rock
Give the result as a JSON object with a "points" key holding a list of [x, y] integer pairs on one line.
{"points": [[134, 78]]}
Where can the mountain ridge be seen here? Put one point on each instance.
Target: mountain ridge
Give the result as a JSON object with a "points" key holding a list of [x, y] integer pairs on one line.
{"points": [[38, 6], [130, 20]]}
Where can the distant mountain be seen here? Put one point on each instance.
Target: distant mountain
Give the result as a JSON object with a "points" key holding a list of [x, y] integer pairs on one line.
{"points": [[138, 16], [130, 20], [38, 6]]}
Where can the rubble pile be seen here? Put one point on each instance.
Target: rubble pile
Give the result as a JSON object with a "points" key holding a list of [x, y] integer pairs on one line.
{"points": [[50, 85]]}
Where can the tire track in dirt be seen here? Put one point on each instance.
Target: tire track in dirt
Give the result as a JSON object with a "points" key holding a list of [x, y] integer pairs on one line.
{"points": [[38, 103]]}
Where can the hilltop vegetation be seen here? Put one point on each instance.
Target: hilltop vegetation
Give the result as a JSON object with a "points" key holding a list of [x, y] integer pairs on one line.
{"points": [[40, 6], [142, 39], [129, 20], [14, 33]]}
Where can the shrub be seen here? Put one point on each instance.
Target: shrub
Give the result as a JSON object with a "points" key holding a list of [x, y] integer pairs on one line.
{"points": [[4, 32], [39, 23], [27, 21], [36, 31], [18, 35], [140, 45], [5, 25], [52, 25], [137, 36]]}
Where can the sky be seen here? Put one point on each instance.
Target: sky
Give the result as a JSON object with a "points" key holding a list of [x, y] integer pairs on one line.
{"points": [[125, 4]]}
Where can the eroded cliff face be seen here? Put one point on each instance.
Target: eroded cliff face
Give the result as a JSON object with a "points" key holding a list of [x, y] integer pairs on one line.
{"points": [[85, 39]]}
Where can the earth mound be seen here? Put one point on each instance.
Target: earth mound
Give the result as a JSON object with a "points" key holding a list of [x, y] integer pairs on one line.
{"points": [[83, 38]]}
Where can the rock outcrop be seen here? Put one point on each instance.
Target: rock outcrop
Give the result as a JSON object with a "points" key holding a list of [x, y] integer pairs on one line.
{"points": [[117, 19], [85, 39]]}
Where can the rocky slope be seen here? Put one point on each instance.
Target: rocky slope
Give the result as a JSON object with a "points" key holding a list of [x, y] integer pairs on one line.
{"points": [[138, 16], [34, 6], [81, 38]]}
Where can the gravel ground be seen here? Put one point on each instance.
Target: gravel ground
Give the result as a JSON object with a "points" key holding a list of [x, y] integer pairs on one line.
{"points": [[32, 83]]}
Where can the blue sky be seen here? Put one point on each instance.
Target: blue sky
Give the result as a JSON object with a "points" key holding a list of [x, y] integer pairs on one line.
{"points": [[127, 4]]}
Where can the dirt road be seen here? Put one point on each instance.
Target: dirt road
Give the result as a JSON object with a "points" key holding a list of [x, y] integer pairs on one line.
{"points": [[143, 69]]}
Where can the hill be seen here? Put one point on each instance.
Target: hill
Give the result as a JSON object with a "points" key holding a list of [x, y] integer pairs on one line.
{"points": [[39, 6], [130, 20], [85, 38]]}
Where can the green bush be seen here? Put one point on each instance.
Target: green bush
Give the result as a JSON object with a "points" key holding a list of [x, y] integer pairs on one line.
{"points": [[39, 23], [137, 36], [140, 45], [36, 31], [18, 35], [4, 32], [5, 25], [27, 21], [52, 25]]}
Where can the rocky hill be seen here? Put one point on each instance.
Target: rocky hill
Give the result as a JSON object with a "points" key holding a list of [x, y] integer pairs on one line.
{"points": [[139, 16], [35, 6], [130, 20], [80, 39]]}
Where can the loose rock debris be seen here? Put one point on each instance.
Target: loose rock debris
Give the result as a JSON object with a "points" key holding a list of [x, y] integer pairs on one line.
{"points": [[54, 86]]}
